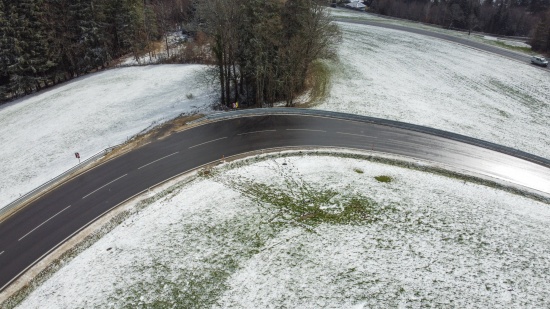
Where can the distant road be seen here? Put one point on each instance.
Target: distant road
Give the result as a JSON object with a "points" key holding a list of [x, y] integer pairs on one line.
{"points": [[484, 47], [34, 231]]}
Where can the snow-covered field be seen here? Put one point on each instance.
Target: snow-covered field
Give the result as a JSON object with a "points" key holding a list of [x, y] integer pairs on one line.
{"points": [[417, 79], [421, 240], [482, 38], [40, 134]]}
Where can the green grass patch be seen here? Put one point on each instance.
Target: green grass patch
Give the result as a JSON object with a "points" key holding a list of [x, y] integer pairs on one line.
{"points": [[503, 113], [358, 170], [297, 202], [519, 94], [383, 178], [313, 206], [526, 50], [318, 80]]}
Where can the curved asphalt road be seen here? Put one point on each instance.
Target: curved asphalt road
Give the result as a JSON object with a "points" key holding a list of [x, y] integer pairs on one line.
{"points": [[37, 229], [484, 47]]}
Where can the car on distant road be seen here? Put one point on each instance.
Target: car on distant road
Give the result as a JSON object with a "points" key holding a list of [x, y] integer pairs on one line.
{"points": [[538, 60]]}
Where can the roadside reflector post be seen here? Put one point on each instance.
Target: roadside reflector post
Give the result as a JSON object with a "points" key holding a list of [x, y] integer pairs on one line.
{"points": [[77, 155]]}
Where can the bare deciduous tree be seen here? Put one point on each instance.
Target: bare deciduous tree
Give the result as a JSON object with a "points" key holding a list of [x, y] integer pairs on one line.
{"points": [[264, 48]]}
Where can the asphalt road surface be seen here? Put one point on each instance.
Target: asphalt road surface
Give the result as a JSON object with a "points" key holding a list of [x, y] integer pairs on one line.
{"points": [[37, 229], [484, 47]]}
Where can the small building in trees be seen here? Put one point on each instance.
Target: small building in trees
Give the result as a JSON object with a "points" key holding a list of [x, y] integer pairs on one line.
{"points": [[356, 5]]}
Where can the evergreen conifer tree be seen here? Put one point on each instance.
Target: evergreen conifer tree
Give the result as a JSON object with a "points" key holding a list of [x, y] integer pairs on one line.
{"points": [[31, 67], [6, 57]]}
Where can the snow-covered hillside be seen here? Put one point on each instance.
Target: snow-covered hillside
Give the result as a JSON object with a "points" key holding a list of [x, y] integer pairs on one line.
{"points": [[40, 134], [417, 79]]}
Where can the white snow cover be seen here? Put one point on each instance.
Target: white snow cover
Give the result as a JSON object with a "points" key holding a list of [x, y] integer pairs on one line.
{"points": [[507, 42], [417, 79], [40, 134], [447, 243], [479, 37], [409, 77], [438, 242]]}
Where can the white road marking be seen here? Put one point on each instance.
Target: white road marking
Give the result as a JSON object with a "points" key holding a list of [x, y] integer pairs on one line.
{"points": [[208, 142], [403, 143], [95, 219], [103, 186], [306, 130], [257, 132], [43, 223], [2, 252], [158, 160], [356, 134]]}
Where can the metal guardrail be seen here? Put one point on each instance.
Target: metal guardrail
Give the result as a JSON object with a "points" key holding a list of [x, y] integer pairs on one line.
{"points": [[46, 186], [391, 123], [295, 111]]}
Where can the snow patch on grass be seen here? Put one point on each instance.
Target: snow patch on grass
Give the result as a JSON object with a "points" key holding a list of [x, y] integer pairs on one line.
{"points": [[436, 241], [242, 238], [514, 45], [40, 133], [417, 79], [507, 42]]}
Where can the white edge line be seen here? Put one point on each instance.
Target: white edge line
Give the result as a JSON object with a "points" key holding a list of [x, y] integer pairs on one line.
{"points": [[43, 223], [103, 186], [287, 114], [139, 193], [305, 130], [356, 134], [257, 132], [95, 219], [205, 122], [158, 160], [208, 142]]}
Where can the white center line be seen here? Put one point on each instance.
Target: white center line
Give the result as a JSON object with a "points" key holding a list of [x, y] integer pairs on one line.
{"points": [[158, 160], [357, 134], [208, 142], [306, 130], [42, 224], [257, 132], [104, 186]]}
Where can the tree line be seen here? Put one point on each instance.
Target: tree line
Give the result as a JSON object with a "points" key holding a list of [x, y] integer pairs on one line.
{"points": [[501, 17], [263, 49], [540, 40], [44, 42]]}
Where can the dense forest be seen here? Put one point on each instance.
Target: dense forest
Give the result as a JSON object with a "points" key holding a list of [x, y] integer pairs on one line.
{"points": [[501, 17], [262, 49], [44, 42]]}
